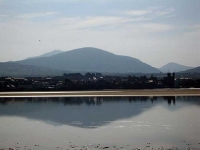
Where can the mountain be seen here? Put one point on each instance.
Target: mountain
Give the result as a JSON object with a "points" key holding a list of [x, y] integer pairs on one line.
{"points": [[19, 70], [91, 59], [194, 70], [48, 54], [170, 67]]}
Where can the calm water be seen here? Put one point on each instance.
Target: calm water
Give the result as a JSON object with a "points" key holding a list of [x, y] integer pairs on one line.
{"points": [[123, 122]]}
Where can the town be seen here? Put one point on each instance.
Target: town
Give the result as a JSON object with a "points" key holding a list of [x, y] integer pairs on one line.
{"points": [[95, 81]]}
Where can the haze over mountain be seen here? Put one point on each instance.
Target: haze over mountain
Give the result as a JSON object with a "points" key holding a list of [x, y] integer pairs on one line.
{"points": [[19, 70], [171, 67], [91, 59], [54, 52]]}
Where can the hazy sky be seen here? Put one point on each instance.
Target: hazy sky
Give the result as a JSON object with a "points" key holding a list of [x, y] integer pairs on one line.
{"points": [[154, 31]]}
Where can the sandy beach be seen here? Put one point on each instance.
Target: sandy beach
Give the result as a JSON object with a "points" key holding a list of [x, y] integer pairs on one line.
{"points": [[106, 93]]}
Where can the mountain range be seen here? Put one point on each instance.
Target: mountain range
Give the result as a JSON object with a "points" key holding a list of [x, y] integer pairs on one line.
{"points": [[86, 59], [91, 59]]}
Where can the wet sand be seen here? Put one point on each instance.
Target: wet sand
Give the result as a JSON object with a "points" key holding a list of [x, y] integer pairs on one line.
{"points": [[106, 93]]}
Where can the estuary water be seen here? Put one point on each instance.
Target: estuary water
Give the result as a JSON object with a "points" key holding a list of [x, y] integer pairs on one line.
{"points": [[100, 123]]}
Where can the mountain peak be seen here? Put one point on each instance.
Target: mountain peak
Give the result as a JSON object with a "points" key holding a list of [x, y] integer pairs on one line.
{"points": [[172, 63], [172, 66], [91, 50]]}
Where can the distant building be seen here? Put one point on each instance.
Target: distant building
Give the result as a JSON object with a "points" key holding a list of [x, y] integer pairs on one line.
{"points": [[169, 81]]}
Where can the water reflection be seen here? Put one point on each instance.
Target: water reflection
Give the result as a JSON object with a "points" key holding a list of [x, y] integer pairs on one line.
{"points": [[170, 100], [91, 112]]}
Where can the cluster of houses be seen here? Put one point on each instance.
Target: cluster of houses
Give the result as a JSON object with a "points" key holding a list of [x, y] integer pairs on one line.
{"points": [[94, 81]]}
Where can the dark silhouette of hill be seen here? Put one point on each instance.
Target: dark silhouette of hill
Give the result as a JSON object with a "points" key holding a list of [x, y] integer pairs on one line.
{"points": [[15, 69], [54, 52], [91, 59], [194, 70], [170, 67]]}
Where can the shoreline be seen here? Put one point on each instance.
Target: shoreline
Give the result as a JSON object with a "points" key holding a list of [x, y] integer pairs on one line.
{"points": [[72, 146], [105, 93]]}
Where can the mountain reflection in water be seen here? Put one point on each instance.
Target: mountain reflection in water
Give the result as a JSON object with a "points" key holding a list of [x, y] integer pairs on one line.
{"points": [[88, 112]]}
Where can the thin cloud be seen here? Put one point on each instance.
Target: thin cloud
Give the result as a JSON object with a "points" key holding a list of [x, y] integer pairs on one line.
{"points": [[151, 13], [99, 21], [153, 27], [147, 28], [137, 12], [87, 22], [196, 27], [170, 15], [164, 12], [3, 15], [24, 17], [33, 15]]}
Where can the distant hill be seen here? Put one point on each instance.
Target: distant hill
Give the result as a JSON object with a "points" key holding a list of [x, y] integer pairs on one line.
{"points": [[170, 67], [91, 59], [19, 70], [194, 70], [54, 52]]}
